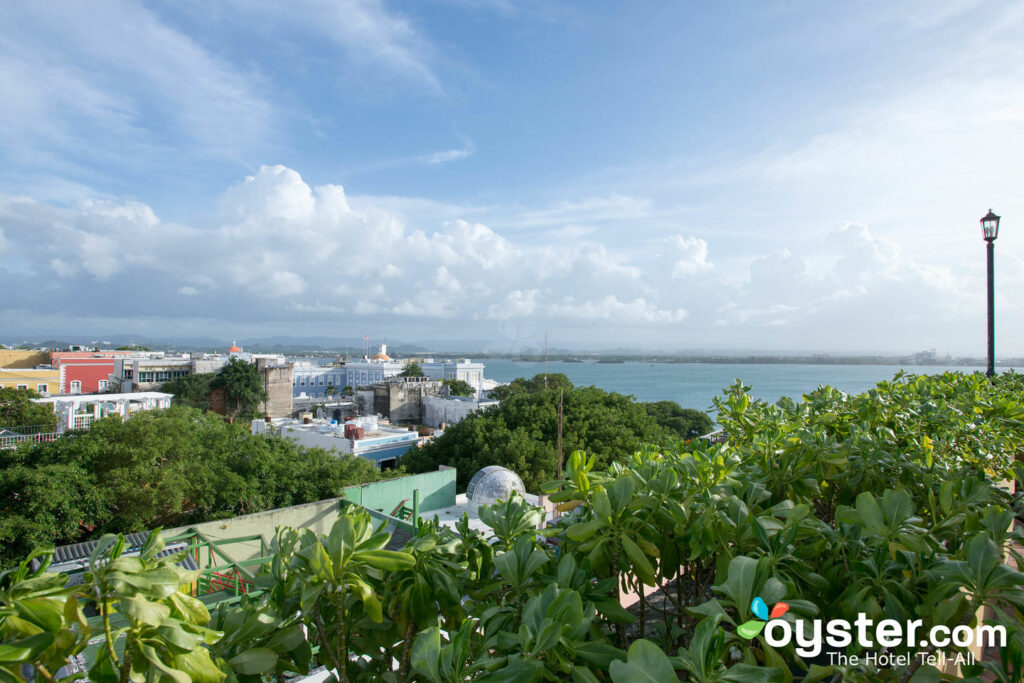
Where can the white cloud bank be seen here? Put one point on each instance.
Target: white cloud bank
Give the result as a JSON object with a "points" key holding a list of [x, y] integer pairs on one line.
{"points": [[286, 255]]}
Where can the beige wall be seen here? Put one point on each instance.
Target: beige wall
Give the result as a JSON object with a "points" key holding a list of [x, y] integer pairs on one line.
{"points": [[16, 358], [318, 517], [11, 378]]}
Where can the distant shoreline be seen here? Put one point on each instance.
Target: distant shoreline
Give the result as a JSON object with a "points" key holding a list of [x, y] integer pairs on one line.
{"points": [[763, 360]]}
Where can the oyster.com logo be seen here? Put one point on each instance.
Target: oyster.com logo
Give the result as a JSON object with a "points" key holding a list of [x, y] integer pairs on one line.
{"points": [[749, 629]]}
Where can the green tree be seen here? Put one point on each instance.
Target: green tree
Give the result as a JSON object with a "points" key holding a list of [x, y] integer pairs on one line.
{"points": [[18, 410], [330, 391], [160, 468], [458, 387], [521, 434], [191, 390], [243, 387], [411, 369], [685, 422], [553, 380]]}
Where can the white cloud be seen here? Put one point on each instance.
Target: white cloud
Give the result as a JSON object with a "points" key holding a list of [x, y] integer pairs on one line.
{"points": [[109, 81], [284, 251]]}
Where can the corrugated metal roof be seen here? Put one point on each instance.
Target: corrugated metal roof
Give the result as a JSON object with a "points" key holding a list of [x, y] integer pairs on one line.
{"points": [[81, 551], [76, 570]]}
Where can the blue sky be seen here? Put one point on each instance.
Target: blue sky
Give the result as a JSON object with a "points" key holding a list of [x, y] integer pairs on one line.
{"points": [[795, 175]]}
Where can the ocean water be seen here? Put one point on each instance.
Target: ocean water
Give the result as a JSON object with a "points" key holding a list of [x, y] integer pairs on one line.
{"points": [[693, 385]]}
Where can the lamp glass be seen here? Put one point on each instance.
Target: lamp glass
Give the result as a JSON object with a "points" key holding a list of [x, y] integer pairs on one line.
{"points": [[990, 226]]}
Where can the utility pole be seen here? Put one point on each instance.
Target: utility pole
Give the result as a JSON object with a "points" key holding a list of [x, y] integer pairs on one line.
{"points": [[560, 392]]}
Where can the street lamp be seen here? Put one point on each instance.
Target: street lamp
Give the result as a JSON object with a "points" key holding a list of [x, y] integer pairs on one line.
{"points": [[990, 230]]}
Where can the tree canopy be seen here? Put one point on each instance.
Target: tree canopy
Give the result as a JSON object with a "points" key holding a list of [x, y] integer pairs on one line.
{"points": [[685, 422], [521, 433], [411, 369], [458, 387], [18, 410], [160, 468], [191, 390], [243, 387]]}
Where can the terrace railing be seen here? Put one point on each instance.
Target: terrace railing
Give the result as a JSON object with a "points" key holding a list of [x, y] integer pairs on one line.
{"points": [[12, 437]]}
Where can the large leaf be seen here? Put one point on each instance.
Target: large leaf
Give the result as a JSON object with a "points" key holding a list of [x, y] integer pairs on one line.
{"points": [[645, 663], [257, 660]]}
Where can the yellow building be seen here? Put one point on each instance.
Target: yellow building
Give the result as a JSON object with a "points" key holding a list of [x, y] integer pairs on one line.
{"points": [[44, 381], [18, 358]]}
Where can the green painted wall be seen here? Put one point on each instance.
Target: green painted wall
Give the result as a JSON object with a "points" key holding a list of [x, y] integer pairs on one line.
{"points": [[437, 490]]}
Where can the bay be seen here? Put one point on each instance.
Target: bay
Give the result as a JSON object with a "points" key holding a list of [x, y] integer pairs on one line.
{"points": [[694, 385]]}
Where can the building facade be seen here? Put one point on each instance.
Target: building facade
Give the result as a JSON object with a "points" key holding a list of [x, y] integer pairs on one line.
{"points": [[44, 381], [313, 380]]}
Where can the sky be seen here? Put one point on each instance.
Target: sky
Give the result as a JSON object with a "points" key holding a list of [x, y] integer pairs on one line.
{"points": [[668, 175]]}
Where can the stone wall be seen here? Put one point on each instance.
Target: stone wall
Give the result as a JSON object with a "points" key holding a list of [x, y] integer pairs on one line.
{"points": [[402, 402], [277, 381]]}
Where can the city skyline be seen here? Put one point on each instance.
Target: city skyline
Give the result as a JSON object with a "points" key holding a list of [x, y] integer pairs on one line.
{"points": [[789, 178]]}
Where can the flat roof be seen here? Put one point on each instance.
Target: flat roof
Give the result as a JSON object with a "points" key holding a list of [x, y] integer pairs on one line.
{"points": [[103, 398], [450, 515]]}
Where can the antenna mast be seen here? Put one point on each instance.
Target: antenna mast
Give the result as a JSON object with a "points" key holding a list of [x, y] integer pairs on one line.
{"points": [[545, 360]]}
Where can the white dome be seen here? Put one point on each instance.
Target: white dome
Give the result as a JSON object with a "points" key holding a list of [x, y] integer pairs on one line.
{"points": [[493, 483]]}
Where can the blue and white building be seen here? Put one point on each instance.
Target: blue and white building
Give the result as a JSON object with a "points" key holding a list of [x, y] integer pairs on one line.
{"points": [[313, 380]]}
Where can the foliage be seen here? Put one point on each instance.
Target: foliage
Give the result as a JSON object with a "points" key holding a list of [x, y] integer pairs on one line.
{"points": [[541, 382], [686, 423], [192, 390], [18, 410], [411, 369], [886, 504], [521, 434], [243, 387], [458, 387], [160, 468]]}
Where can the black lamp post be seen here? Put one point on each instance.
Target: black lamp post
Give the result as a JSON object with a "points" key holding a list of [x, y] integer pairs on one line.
{"points": [[990, 230]]}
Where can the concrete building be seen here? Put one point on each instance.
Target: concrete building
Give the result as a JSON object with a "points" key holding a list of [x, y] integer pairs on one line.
{"points": [[366, 437], [277, 382], [401, 400], [79, 412], [448, 410], [148, 374]]}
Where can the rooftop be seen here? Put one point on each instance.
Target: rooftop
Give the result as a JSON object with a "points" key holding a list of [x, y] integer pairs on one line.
{"points": [[105, 398], [448, 516]]}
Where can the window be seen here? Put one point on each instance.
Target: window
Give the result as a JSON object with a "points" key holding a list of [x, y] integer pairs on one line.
{"points": [[101, 385], [22, 386], [302, 382], [42, 388], [76, 387], [321, 380]]}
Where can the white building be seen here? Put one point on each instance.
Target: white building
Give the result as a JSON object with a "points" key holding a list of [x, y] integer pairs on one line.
{"points": [[380, 443], [313, 380], [80, 411], [449, 410]]}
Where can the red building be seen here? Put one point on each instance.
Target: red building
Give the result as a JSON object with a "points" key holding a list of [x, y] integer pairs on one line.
{"points": [[86, 372]]}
